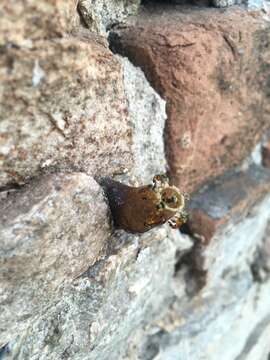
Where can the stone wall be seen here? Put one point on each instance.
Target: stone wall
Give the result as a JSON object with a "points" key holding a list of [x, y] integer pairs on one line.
{"points": [[128, 90]]}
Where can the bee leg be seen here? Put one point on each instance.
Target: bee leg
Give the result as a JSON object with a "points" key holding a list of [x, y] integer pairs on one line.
{"points": [[175, 223], [160, 181], [178, 219], [186, 196]]}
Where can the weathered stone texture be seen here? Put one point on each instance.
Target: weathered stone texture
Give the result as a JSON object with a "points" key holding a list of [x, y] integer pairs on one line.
{"points": [[66, 104], [223, 250], [51, 231], [212, 67], [93, 316], [143, 292], [147, 117], [100, 16], [25, 21], [225, 3], [63, 107]]}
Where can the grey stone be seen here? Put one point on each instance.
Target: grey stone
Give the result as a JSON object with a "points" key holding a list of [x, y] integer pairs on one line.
{"points": [[226, 3], [251, 4], [94, 316], [147, 121], [100, 15], [51, 231]]}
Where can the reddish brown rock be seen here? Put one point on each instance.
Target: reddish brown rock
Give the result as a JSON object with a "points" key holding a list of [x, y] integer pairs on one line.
{"points": [[227, 199], [213, 68]]}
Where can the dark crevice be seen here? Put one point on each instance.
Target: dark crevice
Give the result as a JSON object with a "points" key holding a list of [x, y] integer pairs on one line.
{"points": [[81, 17], [139, 59], [10, 187], [260, 267], [115, 44], [151, 347], [145, 2], [185, 229], [4, 350], [112, 26], [190, 264]]}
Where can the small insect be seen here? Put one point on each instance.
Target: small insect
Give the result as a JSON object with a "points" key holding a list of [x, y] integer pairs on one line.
{"points": [[139, 209]]}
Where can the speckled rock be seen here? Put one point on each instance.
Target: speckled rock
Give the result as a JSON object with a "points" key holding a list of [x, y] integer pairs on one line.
{"points": [[26, 21], [68, 105], [99, 16], [147, 298], [212, 68], [147, 116], [89, 315], [226, 3], [56, 100], [51, 231]]}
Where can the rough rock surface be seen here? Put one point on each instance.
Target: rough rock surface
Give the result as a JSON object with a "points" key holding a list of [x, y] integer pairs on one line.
{"points": [[25, 21], [143, 293], [51, 231], [99, 16], [226, 3], [147, 117], [66, 105], [95, 315], [216, 3], [56, 100], [202, 62]]}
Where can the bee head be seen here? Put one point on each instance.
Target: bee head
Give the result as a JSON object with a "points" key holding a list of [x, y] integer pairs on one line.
{"points": [[172, 199]]}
